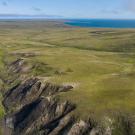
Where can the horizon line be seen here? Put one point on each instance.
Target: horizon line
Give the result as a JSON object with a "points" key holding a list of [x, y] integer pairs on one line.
{"points": [[46, 16]]}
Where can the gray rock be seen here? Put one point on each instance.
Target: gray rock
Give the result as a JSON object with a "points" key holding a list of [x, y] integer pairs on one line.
{"points": [[29, 91], [33, 110], [79, 128], [63, 125], [51, 89], [40, 115], [96, 131], [22, 94]]}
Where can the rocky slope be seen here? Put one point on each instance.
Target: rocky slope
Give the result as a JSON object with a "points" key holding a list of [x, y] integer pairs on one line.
{"points": [[33, 109]]}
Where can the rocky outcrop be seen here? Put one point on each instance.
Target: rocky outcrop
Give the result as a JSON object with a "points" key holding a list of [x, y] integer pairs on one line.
{"points": [[80, 128], [19, 66], [21, 94], [51, 89], [25, 54], [63, 126], [33, 109], [28, 91], [42, 115]]}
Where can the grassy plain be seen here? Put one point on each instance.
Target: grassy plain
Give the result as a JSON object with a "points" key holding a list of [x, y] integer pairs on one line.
{"points": [[99, 63]]}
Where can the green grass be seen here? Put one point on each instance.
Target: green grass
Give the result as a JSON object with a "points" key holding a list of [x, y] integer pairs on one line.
{"points": [[1, 84], [100, 63]]}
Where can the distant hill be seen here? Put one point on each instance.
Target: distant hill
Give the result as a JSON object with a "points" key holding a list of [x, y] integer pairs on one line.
{"points": [[24, 16]]}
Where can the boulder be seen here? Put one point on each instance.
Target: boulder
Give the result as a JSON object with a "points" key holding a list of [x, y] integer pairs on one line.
{"points": [[79, 128]]}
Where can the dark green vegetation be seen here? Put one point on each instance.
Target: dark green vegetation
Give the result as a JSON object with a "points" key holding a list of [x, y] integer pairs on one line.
{"points": [[99, 63]]}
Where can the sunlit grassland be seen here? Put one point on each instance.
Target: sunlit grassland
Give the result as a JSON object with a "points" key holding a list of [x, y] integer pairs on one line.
{"points": [[1, 70], [99, 63]]}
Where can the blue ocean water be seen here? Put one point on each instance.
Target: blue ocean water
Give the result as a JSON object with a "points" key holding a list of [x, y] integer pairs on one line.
{"points": [[101, 23]]}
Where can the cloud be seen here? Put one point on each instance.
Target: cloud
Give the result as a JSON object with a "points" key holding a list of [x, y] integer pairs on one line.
{"points": [[4, 3], [130, 5], [106, 11], [36, 9]]}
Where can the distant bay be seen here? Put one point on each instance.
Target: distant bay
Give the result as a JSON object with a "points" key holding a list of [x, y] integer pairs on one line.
{"points": [[101, 23]]}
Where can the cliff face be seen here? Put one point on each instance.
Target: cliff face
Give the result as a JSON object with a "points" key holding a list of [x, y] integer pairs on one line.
{"points": [[32, 109]]}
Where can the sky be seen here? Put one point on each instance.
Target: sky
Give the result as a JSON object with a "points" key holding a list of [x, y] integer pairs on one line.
{"points": [[117, 9]]}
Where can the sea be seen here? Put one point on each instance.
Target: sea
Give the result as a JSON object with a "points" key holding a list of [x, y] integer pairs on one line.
{"points": [[101, 23], [93, 23]]}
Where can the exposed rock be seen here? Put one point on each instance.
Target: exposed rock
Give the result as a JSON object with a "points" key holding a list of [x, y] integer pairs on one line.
{"points": [[50, 89], [80, 128], [96, 131], [24, 54], [63, 125], [40, 115], [15, 66], [29, 91], [33, 110], [22, 94], [19, 66]]}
